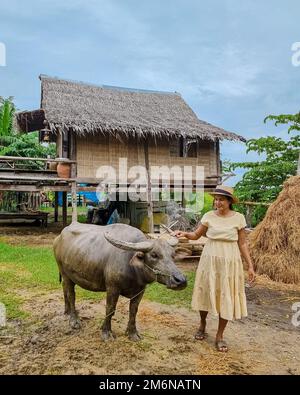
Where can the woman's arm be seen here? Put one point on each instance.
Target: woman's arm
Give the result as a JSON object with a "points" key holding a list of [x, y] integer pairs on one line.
{"points": [[242, 242], [200, 231]]}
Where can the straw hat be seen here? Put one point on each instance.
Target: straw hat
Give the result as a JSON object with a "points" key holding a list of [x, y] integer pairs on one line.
{"points": [[225, 191]]}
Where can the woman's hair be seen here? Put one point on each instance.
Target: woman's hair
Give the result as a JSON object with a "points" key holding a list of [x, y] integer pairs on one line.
{"points": [[229, 200]]}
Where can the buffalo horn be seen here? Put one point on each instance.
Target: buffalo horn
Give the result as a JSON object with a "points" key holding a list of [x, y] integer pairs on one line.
{"points": [[144, 246]]}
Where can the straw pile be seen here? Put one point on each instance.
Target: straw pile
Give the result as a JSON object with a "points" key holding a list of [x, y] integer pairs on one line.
{"points": [[275, 242], [188, 247], [185, 247]]}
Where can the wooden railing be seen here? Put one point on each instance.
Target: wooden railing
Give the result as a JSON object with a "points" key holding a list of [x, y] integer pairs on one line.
{"points": [[13, 163]]}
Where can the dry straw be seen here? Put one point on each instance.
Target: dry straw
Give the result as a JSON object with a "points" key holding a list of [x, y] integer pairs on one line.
{"points": [[275, 242]]}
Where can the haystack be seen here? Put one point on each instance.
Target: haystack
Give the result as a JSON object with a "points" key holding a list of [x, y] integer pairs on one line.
{"points": [[275, 242]]}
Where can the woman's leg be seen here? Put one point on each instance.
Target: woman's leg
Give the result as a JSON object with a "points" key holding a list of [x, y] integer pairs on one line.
{"points": [[200, 334], [203, 315], [220, 343]]}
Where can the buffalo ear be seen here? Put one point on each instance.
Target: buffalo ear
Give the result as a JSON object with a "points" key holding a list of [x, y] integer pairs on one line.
{"points": [[173, 241], [137, 260]]}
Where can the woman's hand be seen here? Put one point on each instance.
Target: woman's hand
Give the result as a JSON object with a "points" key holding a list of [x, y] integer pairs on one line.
{"points": [[178, 233], [251, 274]]}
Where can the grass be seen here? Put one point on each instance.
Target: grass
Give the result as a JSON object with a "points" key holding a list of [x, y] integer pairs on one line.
{"points": [[31, 269], [38, 263], [81, 213], [13, 305], [159, 293]]}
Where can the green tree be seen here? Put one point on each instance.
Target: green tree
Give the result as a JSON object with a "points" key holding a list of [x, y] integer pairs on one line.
{"points": [[264, 179], [294, 125], [7, 111], [27, 145], [13, 143]]}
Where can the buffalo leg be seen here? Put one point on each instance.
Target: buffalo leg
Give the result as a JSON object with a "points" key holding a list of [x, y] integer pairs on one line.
{"points": [[111, 303], [69, 294], [131, 327], [66, 297]]}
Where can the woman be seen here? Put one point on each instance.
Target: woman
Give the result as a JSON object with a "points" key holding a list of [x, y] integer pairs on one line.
{"points": [[219, 285]]}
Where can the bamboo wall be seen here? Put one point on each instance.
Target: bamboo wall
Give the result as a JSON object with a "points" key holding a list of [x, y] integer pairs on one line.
{"points": [[95, 151]]}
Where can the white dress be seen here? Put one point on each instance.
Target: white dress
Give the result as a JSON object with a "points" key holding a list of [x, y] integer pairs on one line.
{"points": [[219, 284]]}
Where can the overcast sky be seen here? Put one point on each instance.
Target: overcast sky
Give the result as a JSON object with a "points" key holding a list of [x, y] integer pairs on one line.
{"points": [[231, 60]]}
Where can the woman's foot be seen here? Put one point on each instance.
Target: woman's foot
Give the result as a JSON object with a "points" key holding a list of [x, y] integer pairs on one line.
{"points": [[221, 345], [200, 334]]}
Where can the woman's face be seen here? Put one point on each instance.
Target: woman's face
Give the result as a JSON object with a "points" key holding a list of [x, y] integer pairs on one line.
{"points": [[221, 202]]}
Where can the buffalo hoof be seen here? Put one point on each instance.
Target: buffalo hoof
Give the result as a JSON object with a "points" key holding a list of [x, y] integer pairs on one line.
{"points": [[135, 337], [75, 323], [108, 335]]}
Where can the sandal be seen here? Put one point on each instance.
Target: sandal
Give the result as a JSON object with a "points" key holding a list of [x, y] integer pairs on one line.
{"points": [[200, 335], [221, 346]]}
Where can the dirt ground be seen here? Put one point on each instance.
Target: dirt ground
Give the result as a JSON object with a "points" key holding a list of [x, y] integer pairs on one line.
{"points": [[265, 342]]}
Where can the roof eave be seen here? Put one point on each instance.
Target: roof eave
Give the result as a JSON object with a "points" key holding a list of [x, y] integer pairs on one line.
{"points": [[30, 121], [137, 131]]}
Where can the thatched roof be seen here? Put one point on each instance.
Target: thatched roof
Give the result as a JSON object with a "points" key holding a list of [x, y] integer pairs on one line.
{"points": [[87, 109]]}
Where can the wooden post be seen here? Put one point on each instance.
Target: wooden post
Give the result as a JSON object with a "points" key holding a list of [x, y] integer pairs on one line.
{"points": [[56, 207], [149, 200], [38, 201], [59, 145], [74, 202], [219, 169], [19, 201], [64, 209], [72, 156], [249, 210], [182, 198]]}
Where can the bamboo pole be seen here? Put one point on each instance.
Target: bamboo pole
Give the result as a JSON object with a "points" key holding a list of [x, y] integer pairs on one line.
{"points": [[16, 158], [255, 203], [64, 209], [149, 200], [74, 202], [56, 207]]}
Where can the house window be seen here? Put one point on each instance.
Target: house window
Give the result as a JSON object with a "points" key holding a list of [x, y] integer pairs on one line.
{"points": [[184, 148]]}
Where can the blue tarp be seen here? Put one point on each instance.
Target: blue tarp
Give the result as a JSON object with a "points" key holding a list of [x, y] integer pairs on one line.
{"points": [[89, 196]]}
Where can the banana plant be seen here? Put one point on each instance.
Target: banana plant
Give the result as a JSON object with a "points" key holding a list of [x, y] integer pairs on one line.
{"points": [[7, 111]]}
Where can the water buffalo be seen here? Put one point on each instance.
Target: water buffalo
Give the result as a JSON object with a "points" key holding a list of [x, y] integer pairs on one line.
{"points": [[122, 264]]}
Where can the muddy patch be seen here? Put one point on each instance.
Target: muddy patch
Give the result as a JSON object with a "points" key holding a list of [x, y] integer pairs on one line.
{"points": [[266, 342], [45, 344]]}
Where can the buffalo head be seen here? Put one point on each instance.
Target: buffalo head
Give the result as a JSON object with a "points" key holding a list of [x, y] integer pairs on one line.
{"points": [[156, 257]]}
